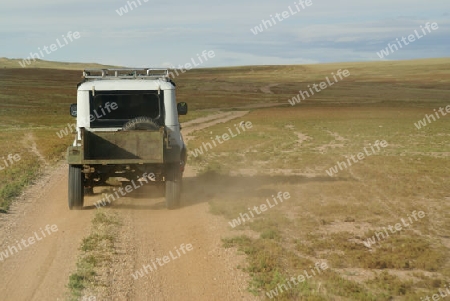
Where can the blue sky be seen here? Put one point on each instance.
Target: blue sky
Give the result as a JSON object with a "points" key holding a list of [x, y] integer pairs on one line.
{"points": [[164, 33]]}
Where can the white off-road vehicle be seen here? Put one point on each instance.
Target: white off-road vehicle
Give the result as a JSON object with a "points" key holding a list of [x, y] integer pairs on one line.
{"points": [[127, 127]]}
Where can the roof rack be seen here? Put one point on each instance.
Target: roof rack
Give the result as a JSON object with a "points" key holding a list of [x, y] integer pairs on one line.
{"points": [[133, 73]]}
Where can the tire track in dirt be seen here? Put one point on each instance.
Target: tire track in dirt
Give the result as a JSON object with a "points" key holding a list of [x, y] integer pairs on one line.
{"points": [[205, 122], [208, 272], [41, 270]]}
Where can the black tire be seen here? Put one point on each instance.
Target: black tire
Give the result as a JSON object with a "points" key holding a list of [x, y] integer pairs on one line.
{"points": [[173, 186], [76, 188], [141, 123]]}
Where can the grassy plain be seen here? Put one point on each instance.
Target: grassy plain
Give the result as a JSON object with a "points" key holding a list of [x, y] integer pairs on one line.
{"points": [[289, 148], [328, 219]]}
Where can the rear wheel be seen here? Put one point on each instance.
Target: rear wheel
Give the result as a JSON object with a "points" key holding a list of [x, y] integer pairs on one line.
{"points": [[173, 186], [76, 188]]}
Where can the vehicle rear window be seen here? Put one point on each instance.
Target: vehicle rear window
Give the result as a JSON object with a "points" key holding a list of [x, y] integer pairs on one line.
{"points": [[115, 108]]}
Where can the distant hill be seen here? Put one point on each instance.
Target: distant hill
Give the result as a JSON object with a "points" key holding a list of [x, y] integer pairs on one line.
{"points": [[14, 63], [375, 66]]}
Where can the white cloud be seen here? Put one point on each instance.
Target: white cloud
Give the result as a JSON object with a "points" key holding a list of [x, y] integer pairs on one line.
{"points": [[162, 31]]}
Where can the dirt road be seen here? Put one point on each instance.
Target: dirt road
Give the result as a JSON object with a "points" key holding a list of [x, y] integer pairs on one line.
{"points": [[38, 267]]}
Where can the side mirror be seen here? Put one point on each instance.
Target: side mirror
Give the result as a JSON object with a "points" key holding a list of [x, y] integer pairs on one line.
{"points": [[73, 110], [182, 108]]}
